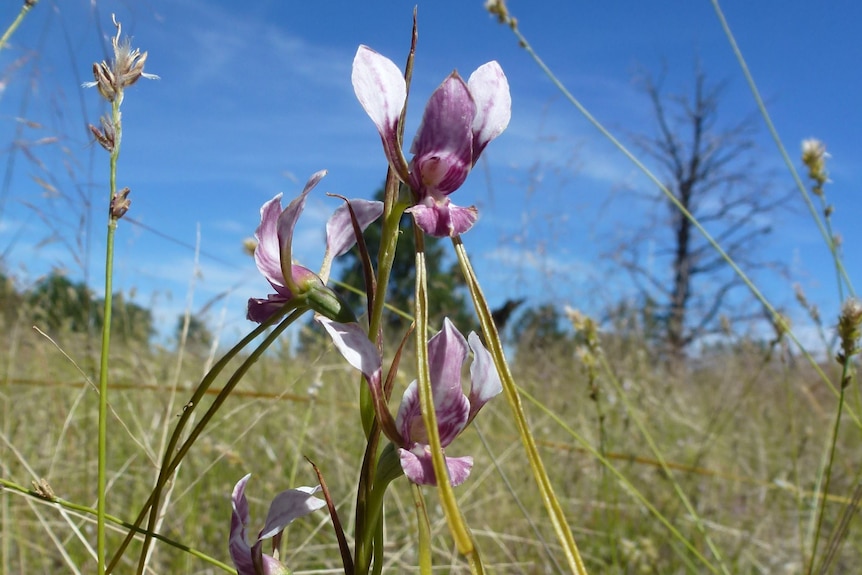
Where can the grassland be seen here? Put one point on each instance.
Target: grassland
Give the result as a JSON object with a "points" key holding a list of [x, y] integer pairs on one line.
{"points": [[742, 433]]}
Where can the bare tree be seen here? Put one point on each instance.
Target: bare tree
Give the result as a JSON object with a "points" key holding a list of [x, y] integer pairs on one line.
{"points": [[712, 170]]}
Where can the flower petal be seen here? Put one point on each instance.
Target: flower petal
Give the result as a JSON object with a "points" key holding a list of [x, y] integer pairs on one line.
{"points": [[260, 310], [353, 343], [340, 236], [490, 91], [240, 552], [420, 470], [267, 254], [286, 224], [409, 417], [444, 142], [443, 219], [288, 506], [484, 380], [447, 352], [380, 88]]}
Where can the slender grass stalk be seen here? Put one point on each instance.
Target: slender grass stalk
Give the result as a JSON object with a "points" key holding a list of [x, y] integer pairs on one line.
{"points": [[424, 530], [629, 486], [827, 472], [101, 487], [174, 459], [195, 400], [824, 231], [89, 512], [25, 8], [543, 482], [522, 40]]}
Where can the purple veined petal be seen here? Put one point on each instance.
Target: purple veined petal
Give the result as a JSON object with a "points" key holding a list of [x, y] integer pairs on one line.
{"points": [[420, 470], [260, 310], [490, 90], [409, 418], [442, 219], [267, 254], [380, 88], [484, 380], [340, 236], [353, 343], [452, 414], [240, 552], [288, 506], [443, 144], [286, 224], [447, 352]]}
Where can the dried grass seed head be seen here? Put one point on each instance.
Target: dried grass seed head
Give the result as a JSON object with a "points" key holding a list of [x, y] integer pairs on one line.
{"points": [[126, 68]]}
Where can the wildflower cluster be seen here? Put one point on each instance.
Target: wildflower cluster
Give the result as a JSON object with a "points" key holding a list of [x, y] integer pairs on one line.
{"points": [[461, 118]]}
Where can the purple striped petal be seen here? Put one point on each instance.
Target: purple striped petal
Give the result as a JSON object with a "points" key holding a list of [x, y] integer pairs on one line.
{"points": [[288, 506], [490, 91], [443, 219], [420, 469], [443, 144], [354, 345], [267, 254], [340, 236], [484, 380], [286, 224]]}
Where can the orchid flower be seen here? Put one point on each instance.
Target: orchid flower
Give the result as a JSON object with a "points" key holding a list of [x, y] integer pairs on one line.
{"points": [[447, 353], [274, 255], [286, 506], [460, 119]]}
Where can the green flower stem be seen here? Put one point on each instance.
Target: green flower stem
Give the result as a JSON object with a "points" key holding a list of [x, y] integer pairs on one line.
{"points": [[195, 400], [102, 482], [543, 482], [366, 498], [460, 532], [57, 502], [424, 530], [828, 472], [224, 393], [25, 8], [392, 212]]}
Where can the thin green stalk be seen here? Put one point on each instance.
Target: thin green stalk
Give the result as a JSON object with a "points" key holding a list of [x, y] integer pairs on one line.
{"points": [[25, 8], [540, 475], [424, 530], [224, 393], [460, 531], [828, 472], [829, 239], [457, 526], [195, 400], [83, 509], [102, 481]]}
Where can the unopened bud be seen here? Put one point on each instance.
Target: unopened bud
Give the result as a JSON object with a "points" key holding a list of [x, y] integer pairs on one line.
{"points": [[120, 203], [106, 136]]}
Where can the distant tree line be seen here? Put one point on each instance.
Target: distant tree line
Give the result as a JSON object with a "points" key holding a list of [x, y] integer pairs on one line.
{"points": [[56, 303]]}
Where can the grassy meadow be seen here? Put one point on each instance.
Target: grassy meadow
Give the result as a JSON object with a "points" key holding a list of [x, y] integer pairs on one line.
{"points": [[741, 456], [741, 433]]}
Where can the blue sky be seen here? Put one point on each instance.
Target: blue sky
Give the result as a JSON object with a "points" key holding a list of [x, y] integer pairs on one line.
{"points": [[255, 97]]}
